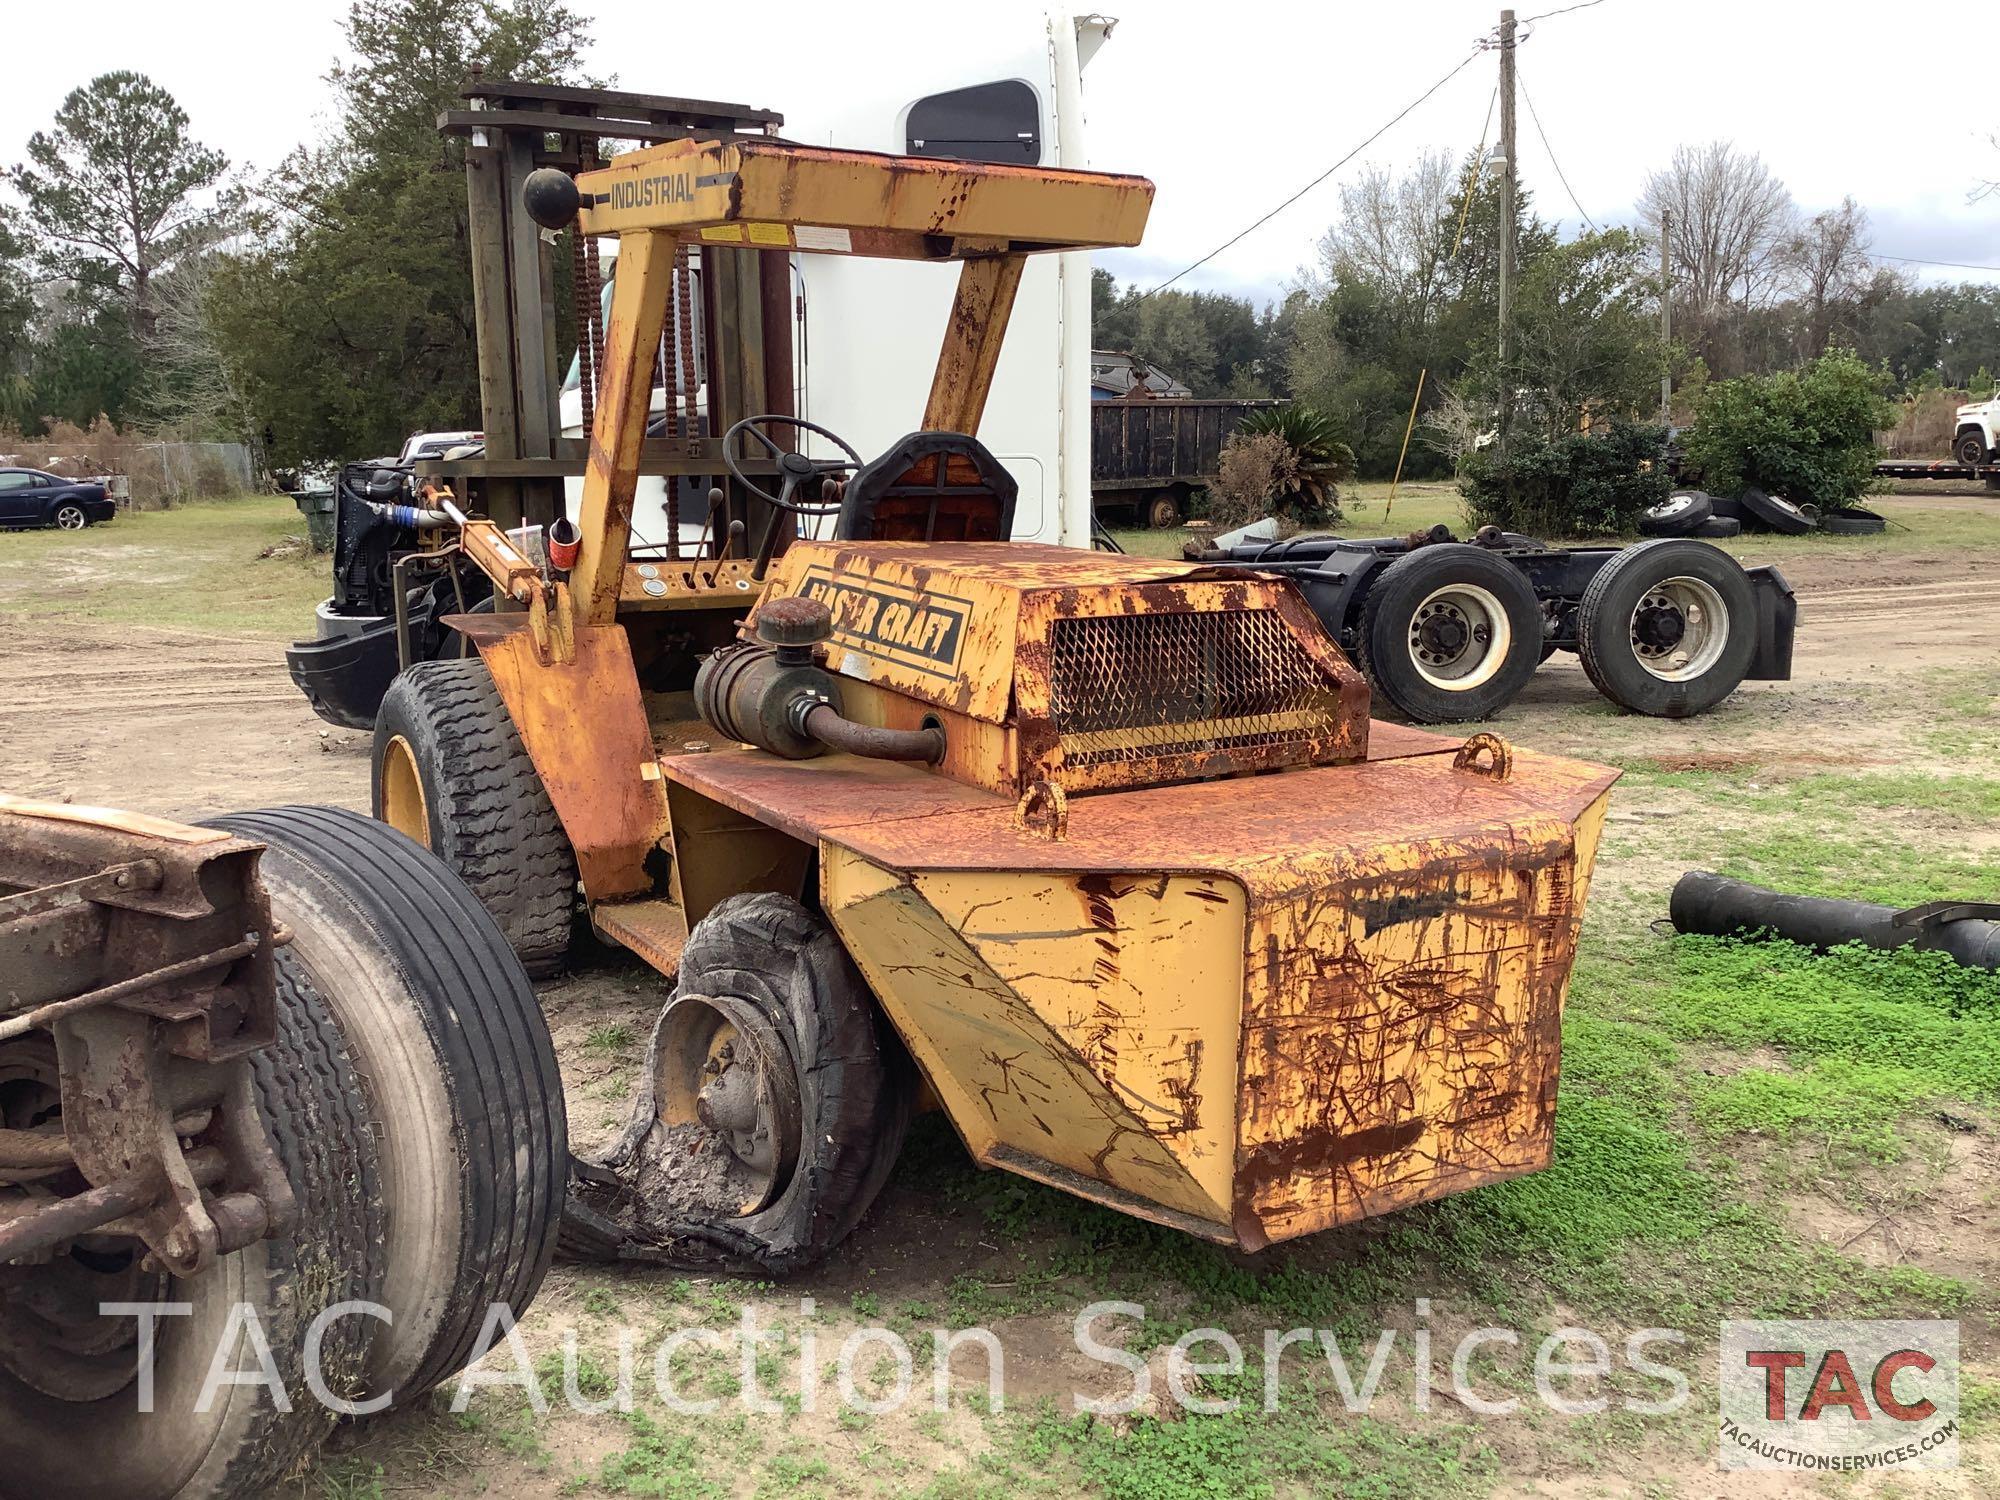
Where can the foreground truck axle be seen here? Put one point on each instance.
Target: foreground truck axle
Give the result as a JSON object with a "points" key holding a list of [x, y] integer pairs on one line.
{"points": [[279, 1073], [139, 964]]}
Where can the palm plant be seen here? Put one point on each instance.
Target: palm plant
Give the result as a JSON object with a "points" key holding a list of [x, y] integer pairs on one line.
{"points": [[1323, 461]]}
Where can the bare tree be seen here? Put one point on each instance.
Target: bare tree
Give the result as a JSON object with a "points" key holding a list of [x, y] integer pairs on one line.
{"points": [[1827, 257], [1731, 223], [189, 387], [1390, 235]]}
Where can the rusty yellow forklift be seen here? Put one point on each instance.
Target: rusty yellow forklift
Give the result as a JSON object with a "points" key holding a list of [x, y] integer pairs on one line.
{"points": [[1107, 848]]}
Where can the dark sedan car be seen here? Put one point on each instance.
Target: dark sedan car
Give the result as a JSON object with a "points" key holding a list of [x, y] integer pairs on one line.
{"points": [[28, 497]]}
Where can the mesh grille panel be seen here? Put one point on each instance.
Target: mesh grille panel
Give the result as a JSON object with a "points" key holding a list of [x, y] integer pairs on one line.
{"points": [[1135, 687]]}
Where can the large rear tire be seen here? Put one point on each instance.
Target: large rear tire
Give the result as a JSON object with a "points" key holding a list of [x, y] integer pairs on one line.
{"points": [[449, 771], [1450, 632], [457, 1071], [243, 1445], [1667, 628]]}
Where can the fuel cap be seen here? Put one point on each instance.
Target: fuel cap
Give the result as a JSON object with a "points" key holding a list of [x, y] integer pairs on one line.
{"points": [[793, 621]]}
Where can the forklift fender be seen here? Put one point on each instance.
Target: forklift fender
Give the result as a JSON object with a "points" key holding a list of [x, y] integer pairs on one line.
{"points": [[583, 722]]}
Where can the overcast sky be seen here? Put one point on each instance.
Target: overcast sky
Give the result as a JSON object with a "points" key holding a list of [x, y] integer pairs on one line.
{"points": [[1229, 105]]}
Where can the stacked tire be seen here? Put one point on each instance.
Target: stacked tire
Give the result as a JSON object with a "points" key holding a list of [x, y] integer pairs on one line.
{"points": [[1689, 513], [1696, 513]]}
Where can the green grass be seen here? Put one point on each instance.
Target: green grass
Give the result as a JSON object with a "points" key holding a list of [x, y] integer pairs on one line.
{"points": [[1870, 1035], [659, 1461], [196, 567]]}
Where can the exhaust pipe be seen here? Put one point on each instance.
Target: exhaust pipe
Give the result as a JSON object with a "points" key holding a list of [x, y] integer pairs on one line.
{"points": [[1710, 904]]}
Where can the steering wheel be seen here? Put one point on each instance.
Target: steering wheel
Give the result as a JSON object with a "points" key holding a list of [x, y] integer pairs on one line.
{"points": [[794, 469]]}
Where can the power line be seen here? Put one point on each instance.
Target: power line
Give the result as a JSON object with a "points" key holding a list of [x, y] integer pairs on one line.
{"points": [[1384, 130], [1911, 260], [1560, 176], [1585, 5]]}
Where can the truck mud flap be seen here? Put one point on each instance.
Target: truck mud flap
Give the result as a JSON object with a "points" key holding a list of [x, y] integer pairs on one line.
{"points": [[1777, 619]]}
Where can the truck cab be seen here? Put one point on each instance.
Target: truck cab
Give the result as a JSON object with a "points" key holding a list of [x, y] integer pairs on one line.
{"points": [[1974, 441], [1011, 94]]}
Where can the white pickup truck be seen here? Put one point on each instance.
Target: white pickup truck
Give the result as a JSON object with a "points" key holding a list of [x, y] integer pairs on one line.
{"points": [[1977, 435]]}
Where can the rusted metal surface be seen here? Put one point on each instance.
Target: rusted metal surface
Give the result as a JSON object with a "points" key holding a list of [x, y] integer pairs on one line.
{"points": [[656, 930], [706, 583], [150, 980], [1269, 832], [30, 1228], [1106, 673], [583, 722], [1402, 1027], [973, 335], [631, 345], [1274, 1006], [757, 193], [136, 965]]}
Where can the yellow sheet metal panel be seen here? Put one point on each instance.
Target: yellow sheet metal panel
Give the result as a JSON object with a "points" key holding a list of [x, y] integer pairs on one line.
{"points": [[892, 205], [1140, 976], [583, 723], [1006, 1074], [942, 635], [1403, 1034], [1112, 672]]}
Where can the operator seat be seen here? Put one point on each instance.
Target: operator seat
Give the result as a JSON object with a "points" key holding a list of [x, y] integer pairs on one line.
{"points": [[929, 487]]}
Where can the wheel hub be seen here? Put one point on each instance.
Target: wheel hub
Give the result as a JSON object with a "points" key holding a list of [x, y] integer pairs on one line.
{"points": [[1459, 637], [1658, 628], [722, 1067], [1442, 633], [1679, 628], [52, 1337]]}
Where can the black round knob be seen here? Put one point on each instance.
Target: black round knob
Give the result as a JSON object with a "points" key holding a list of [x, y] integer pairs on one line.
{"points": [[793, 621], [550, 196]]}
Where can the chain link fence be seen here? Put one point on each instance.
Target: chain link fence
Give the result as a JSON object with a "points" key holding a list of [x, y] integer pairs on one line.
{"points": [[159, 474]]}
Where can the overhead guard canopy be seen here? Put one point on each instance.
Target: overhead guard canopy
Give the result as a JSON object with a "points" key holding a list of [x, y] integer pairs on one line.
{"points": [[812, 198]]}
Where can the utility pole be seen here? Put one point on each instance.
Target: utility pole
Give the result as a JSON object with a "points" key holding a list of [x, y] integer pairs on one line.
{"points": [[1666, 312], [1507, 186]]}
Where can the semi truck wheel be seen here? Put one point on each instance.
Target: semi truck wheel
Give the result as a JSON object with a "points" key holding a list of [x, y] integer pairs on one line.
{"points": [[1969, 448], [70, 1423], [1677, 515], [458, 1077], [1450, 632], [1775, 512], [449, 770], [1166, 509], [1667, 628], [773, 1102]]}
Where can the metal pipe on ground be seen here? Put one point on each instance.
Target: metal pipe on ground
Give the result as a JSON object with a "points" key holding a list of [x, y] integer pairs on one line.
{"points": [[1711, 904]]}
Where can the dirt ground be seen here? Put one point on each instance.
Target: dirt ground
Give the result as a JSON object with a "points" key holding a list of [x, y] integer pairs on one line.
{"points": [[186, 722]]}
